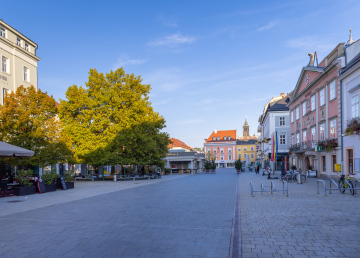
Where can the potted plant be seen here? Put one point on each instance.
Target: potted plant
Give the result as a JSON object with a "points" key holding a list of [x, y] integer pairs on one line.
{"points": [[329, 145], [50, 180], [238, 165], [353, 127], [26, 186], [167, 171], [207, 166], [68, 177], [213, 166]]}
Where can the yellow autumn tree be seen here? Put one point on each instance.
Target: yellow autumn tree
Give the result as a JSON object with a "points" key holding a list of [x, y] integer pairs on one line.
{"points": [[28, 119]]}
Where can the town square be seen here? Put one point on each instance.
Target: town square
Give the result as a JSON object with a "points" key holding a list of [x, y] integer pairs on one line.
{"points": [[180, 129]]}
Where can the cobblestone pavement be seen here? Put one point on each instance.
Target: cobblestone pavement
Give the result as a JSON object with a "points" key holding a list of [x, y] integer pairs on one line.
{"points": [[190, 216], [305, 224]]}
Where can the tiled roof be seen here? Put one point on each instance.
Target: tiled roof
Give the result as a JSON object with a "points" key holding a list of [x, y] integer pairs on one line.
{"points": [[176, 143], [222, 134]]}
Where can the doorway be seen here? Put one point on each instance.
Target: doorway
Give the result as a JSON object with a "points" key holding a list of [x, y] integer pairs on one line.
{"points": [[350, 154]]}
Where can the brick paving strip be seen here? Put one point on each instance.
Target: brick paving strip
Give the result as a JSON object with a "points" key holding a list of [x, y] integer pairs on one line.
{"points": [[235, 244], [305, 224]]}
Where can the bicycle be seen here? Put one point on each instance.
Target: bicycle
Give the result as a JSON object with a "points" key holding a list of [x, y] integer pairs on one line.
{"points": [[343, 184]]}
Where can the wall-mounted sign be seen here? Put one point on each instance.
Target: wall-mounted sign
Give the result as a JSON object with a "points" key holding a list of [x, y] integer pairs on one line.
{"points": [[337, 167]]}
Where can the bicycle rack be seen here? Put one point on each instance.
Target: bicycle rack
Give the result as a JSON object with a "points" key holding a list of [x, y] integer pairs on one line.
{"points": [[272, 188], [337, 187]]}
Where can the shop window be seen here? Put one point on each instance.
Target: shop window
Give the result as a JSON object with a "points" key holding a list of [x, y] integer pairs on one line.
{"points": [[355, 106], [333, 157], [323, 163]]}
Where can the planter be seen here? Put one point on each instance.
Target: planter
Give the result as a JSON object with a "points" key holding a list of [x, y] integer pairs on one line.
{"points": [[25, 190], [70, 185], [213, 171], [50, 188]]}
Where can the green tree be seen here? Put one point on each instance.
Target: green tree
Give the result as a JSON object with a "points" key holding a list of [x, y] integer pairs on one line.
{"points": [[111, 121], [28, 119]]}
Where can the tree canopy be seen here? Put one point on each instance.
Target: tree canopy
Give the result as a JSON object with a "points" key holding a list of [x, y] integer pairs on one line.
{"points": [[28, 119], [111, 121]]}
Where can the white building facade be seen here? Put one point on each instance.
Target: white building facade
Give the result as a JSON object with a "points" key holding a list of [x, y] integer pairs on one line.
{"points": [[18, 60], [350, 97]]}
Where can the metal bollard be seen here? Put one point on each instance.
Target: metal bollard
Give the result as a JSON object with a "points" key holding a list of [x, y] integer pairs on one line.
{"points": [[115, 179]]}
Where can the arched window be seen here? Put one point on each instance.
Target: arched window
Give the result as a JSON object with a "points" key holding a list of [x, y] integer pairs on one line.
{"points": [[225, 138], [218, 138], [229, 137]]}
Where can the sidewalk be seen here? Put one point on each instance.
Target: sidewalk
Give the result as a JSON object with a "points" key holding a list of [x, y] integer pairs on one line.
{"points": [[83, 189], [305, 224]]}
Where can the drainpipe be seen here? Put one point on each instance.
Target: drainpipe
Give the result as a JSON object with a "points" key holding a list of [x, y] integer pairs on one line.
{"points": [[341, 121]]}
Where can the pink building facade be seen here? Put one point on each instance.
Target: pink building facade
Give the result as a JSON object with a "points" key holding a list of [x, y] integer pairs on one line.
{"points": [[222, 145], [315, 116]]}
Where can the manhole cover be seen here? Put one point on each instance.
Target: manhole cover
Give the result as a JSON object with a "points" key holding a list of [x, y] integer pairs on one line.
{"points": [[16, 201]]}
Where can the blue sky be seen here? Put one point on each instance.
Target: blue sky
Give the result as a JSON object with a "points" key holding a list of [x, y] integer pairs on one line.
{"points": [[210, 63]]}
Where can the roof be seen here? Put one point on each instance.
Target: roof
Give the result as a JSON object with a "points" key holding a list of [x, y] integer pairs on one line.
{"points": [[281, 105], [222, 134], [240, 141], [176, 143], [19, 33]]}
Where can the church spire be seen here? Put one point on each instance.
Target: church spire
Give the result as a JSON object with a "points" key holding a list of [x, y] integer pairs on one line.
{"points": [[246, 129]]}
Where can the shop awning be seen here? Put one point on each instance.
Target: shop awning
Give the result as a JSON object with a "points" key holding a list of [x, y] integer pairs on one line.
{"points": [[8, 150]]}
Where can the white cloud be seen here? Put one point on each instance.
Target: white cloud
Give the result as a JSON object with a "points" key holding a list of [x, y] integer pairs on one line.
{"points": [[125, 60], [172, 40], [268, 26], [311, 43]]}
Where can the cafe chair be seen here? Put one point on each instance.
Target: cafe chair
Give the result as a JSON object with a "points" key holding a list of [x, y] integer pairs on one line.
{"points": [[4, 191]]}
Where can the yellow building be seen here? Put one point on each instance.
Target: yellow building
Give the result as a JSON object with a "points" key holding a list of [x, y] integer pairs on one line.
{"points": [[246, 145]]}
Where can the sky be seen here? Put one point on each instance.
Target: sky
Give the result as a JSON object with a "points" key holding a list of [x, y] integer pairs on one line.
{"points": [[210, 64]]}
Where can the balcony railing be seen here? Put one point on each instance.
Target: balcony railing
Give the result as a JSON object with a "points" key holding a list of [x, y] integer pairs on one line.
{"points": [[310, 145]]}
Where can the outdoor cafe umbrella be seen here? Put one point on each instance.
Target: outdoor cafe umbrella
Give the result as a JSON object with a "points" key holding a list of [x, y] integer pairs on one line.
{"points": [[8, 150]]}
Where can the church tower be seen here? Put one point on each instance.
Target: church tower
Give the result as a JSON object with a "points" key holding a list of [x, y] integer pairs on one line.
{"points": [[245, 129]]}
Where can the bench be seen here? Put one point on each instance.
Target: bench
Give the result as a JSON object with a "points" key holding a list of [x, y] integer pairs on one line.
{"points": [[83, 179], [311, 173]]}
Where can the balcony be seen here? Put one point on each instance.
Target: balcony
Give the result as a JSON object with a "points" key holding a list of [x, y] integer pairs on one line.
{"points": [[327, 144]]}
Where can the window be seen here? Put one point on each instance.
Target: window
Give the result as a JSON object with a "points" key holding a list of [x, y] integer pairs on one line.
{"points": [[229, 150], [218, 138], [239, 148], [292, 116], [244, 155], [252, 148], [252, 155], [333, 162], [292, 139], [214, 138], [239, 156], [209, 150], [4, 93], [333, 128], [282, 121], [225, 138], [297, 113], [282, 139], [304, 108], [3, 32], [313, 134], [214, 150], [222, 157], [18, 42], [222, 150], [355, 106], [229, 138], [245, 148], [5, 64], [27, 47], [323, 161], [229, 157], [312, 102], [304, 136], [26, 74], [297, 138], [332, 90], [322, 132], [322, 97]]}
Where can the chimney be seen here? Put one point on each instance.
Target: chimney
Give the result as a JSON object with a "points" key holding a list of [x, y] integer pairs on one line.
{"points": [[215, 131], [311, 62], [282, 95]]}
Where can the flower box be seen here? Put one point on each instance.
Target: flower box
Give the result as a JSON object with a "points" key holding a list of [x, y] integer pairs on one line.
{"points": [[70, 185], [50, 188], [25, 190]]}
